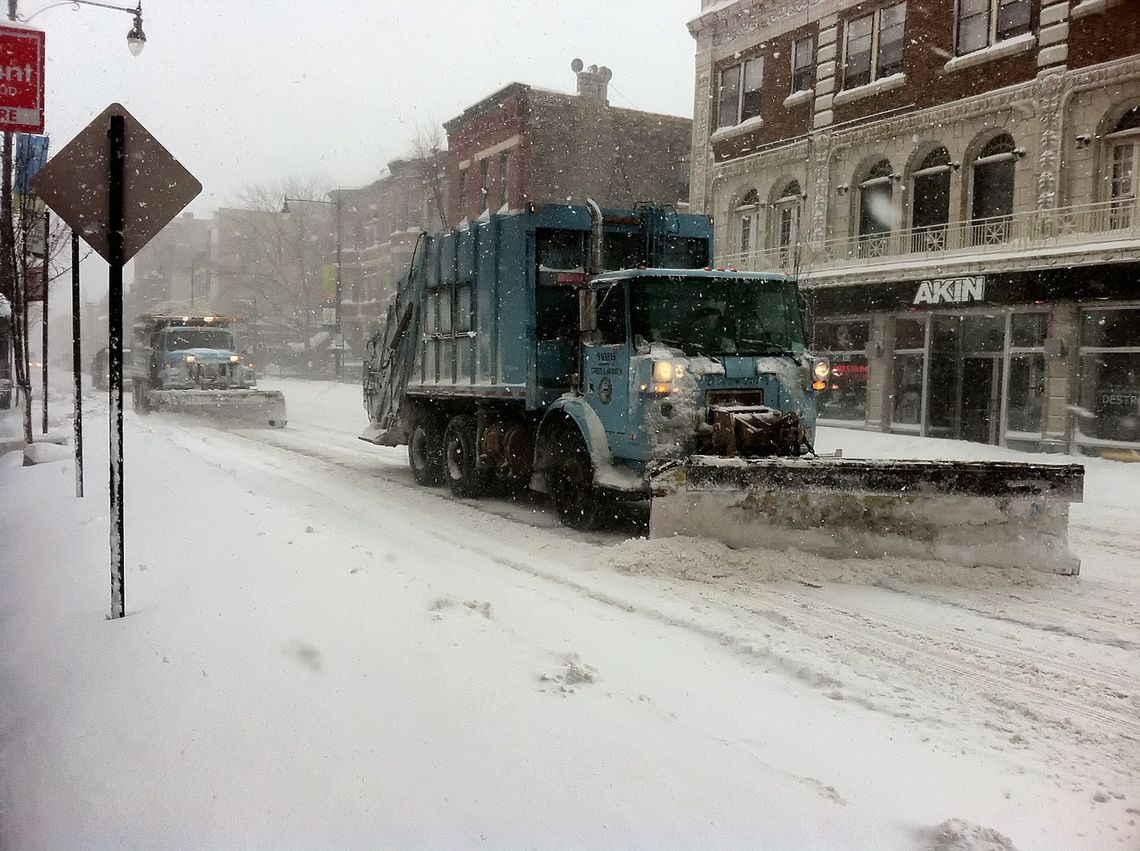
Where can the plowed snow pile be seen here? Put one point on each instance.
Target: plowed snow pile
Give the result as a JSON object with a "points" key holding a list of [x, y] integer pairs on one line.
{"points": [[958, 835], [704, 560]]}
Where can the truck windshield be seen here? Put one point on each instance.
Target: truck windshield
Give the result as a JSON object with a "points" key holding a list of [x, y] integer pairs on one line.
{"points": [[177, 339], [717, 315]]}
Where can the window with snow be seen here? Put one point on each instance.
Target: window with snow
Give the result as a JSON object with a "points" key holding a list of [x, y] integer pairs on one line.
{"points": [[873, 46], [739, 92], [982, 23], [803, 64]]}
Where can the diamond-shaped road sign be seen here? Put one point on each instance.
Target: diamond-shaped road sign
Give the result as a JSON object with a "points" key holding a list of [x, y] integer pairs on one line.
{"points": [[75, 183]]}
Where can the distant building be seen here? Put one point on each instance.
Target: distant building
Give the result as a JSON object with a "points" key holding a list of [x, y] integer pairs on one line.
{"points": [[956, 184], [172, 268], [526, 144], [379, 230]]}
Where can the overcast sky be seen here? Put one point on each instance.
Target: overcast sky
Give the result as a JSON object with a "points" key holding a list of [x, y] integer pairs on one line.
{"points": [[246, 91]]}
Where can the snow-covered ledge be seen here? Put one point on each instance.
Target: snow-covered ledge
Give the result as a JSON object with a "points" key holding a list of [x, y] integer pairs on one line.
{"points": [[753, 123], [1092, 7], [796, 98], [883, 84], [1009, 47]]}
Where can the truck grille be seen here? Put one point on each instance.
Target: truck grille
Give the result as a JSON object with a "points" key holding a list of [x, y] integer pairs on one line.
{"points": [[750, 397]]}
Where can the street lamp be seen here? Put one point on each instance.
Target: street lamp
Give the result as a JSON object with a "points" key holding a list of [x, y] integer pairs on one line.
{"points": [[338, 351], [136, 38]]}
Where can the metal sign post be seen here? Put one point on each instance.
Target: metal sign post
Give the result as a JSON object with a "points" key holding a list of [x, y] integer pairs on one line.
{"points": [[116, 136], [76, 366], [44, 353]]}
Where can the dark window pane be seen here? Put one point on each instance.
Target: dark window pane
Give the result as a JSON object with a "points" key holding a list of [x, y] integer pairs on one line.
{"points": [[803, 64], [1012, 18], [910, 333], [907, 408], [892, 21], [1110, 396], [983, 333], [857, 52], [1110, 328], [973, 25], [1026, 403], [753, 78], [1028, 329], [729, 96], [841, 336], [611, 315]]}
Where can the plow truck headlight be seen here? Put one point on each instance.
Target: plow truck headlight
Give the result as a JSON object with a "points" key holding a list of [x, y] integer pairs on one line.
{"points": [[234, 358], [190, 359], [821, 368], [663, 370]]}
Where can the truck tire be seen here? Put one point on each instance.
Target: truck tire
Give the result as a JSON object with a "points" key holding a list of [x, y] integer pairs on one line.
{"points": [[571, 480], [461, 459], [425, 449]]}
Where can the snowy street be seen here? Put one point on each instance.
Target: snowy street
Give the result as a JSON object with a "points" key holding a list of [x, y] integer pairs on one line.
{"points": [[318, 653]]}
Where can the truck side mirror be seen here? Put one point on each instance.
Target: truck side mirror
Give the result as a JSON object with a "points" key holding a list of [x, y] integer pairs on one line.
{"points": [[587, 311]]}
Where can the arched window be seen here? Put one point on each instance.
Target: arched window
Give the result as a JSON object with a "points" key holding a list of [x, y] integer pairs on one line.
{"points": [[1123, 175], [786, 223], [930, 202], [747, 215], [992, 206], [876, 210]]}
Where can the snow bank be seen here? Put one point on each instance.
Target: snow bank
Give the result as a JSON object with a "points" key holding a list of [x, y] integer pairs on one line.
{"points": [[708, 561]]}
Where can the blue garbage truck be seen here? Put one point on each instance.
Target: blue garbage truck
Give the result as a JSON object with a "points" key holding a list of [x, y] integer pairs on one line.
{"points": [[595, 355]]}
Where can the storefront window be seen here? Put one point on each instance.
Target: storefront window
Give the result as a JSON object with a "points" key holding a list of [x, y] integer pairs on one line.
{"points": [[1026, 401], [1028, 330], [843, 343], [1110, 375], [908, 390]]}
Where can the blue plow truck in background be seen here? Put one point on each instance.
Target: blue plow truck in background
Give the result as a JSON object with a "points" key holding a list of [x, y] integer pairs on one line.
{"points": [[594, 355]]}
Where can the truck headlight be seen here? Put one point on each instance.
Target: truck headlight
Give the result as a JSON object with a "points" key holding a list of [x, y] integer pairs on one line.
{"points": [[190, 359], [234, 358], [663, 370], [821, 368]]}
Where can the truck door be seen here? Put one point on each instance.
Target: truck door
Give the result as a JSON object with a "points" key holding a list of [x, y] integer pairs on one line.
{"points": [[605, 378]]}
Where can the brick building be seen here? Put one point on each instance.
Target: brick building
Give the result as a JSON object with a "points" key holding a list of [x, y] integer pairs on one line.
{"points": [[381, 224], [955, 182], [526, 144]]}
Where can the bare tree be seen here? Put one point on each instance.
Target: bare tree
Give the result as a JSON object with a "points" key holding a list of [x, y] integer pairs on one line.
{"points": [[33, 250], [429, 154], [278, 258]]}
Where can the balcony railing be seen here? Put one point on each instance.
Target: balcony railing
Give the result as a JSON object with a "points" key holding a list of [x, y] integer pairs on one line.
{"points": [[1076, 226]]}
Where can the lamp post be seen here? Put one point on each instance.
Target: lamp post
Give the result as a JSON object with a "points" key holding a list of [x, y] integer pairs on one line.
{"points": [[136, 38], [196, 258], [338, 341]]}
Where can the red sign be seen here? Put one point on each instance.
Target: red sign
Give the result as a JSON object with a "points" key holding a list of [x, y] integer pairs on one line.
{"points": [[21, 80]]}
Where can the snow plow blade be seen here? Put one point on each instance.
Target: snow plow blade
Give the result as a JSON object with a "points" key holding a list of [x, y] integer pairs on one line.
{"points": [[969, 513], [260, 407]]}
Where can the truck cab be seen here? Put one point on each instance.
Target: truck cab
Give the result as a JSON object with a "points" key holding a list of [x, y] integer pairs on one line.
{"points": [[664, 350]]}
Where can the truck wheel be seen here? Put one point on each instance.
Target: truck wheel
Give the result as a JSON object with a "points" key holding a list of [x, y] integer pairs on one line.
{"points": [[460, 459], [425, 450], [571, 482]]}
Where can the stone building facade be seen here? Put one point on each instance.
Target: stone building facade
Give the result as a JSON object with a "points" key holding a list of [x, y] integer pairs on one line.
{"points": [[525, 144], [172, 269], [955, 183]]}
